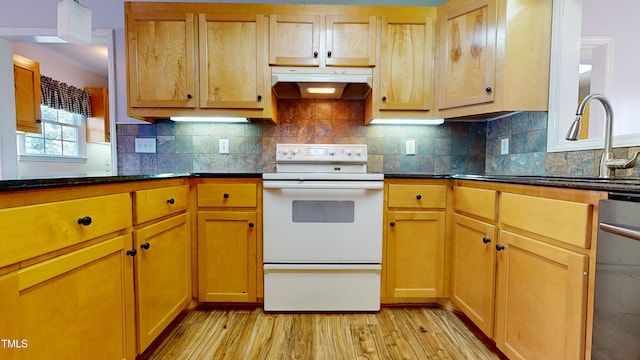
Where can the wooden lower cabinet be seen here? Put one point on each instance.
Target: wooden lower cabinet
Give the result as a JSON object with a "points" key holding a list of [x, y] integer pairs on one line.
{"points": [[73, 306], [163, 275], [473, 271], [414, 258], [227, 256], [541, 300]]}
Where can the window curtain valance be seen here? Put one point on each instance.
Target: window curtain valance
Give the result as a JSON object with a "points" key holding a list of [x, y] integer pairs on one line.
{"points": [[61, 96]]}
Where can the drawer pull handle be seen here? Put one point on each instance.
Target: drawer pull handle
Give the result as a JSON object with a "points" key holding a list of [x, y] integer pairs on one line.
{"points": [[171, 201], [418, 196], [226, 196], [85, 221], [486, 240], [132, 252], [392, 224], [145, 245], [499, 247], [251, 225]]}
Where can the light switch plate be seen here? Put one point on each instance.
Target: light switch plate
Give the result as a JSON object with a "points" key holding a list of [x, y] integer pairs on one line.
{"points": [[223, 146], [145, 145], [410, 147], [504, 146]]}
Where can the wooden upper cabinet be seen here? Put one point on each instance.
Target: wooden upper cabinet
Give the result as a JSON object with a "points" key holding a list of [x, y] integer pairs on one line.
{"points": [[294, 40], [160, 60], [493, 56], [313, 40], [467, 36], [98, 124], [26, 75], [406, 53], [351, 40], [231, 45]]}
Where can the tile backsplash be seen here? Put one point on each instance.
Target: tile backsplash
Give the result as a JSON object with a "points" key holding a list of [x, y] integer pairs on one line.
{"points": [[193, 147], [450, 148]]}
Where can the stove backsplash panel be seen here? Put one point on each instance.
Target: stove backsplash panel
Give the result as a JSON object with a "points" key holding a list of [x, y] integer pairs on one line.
{"points": [[450, 148]]}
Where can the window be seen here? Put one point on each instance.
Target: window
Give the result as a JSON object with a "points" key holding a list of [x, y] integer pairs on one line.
{"points": [[62, 134]]}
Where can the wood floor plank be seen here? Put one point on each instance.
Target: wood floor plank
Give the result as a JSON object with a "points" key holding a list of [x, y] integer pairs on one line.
{"points": [[401, 333]]}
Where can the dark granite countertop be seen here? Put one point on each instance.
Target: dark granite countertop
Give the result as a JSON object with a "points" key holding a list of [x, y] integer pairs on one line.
{"points": [[24, 184], [621, 185]]}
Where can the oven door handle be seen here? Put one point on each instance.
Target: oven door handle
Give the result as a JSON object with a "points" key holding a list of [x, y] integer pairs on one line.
{"points": [[620, 230], [349, 185]]}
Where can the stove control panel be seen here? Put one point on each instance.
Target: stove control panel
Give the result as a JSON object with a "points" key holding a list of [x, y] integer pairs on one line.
{"points": [[311, 153]]}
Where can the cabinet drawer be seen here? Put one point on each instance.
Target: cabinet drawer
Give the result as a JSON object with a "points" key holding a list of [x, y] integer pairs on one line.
{"points": [[34, 230], [155, 203], [227, 195], [566, 221], [480, 202], [417, 196]]}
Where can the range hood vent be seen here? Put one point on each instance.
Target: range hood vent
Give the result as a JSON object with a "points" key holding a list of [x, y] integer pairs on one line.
{"points": [[316, 83]]}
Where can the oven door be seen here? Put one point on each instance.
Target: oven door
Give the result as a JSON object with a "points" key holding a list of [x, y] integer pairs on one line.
{"points": [[322, 221]]}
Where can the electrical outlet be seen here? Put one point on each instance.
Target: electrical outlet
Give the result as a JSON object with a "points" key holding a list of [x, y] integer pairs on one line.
{"points": [[223, 145], [410, 147], [145, 145], [504, 146]]}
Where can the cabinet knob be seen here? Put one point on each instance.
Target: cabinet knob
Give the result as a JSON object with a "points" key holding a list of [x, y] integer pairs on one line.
{"points": [[392, 224], [329, 53], [384, 98], [85, 221], [259, 97], [189, 96], [418, 196], [145, 246], [488, 89], [225, 195], [39, 121], [132, 252], [499, 247], [251, 225], [171, 201], [486, 240], [315, 54]]}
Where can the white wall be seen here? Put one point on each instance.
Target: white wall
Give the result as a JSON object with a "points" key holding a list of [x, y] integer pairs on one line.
{"points": [[8, 150], [616, 19]]}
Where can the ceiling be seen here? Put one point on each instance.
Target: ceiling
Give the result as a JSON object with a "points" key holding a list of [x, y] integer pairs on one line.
{"points": [[92, 57]]}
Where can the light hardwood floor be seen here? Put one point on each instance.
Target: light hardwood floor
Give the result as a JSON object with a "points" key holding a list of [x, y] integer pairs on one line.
{"points": [[250, 333]]}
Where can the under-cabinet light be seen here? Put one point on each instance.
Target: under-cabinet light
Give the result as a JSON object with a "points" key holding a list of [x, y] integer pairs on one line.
{"points": [[407, 121], [210, 119], [324, 90]]}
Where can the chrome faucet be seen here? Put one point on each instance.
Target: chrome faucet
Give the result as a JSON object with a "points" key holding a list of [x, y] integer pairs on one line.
{"points": [[608, 164]]}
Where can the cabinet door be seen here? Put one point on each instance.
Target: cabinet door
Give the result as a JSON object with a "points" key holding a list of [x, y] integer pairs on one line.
{"points": [[163, 279], [26, 77], [474, 270], [74, 306], [227, 246], [160, 60], [466, 55], [406, 52], [294, 40], [541, 300], [98, 124], [231, 61], [350, 40], [415, 254]]}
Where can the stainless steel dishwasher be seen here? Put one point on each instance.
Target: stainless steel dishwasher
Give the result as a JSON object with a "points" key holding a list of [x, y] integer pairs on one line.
{"points": [[616, 326]]}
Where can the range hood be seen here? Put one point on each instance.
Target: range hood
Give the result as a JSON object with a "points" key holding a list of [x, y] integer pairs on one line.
{"points": [[321, 83]]}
